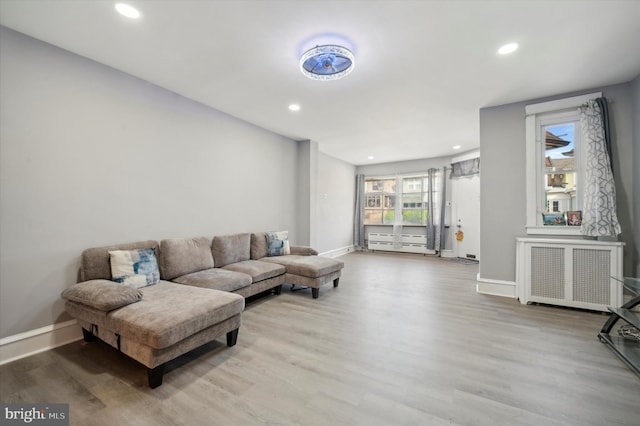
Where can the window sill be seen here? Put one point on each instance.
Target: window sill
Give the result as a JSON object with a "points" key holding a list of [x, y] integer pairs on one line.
{"points": [[554, 230]]}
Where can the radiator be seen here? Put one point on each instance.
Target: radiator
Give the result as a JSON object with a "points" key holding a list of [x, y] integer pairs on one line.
{"points": [[574, 273], [407, 243]]}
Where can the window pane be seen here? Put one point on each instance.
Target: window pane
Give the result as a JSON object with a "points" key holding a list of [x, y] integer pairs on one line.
{"points": [[559, 147], [412, 217], [389, 186], [413, 196], [372, 217], [372, 201], [380, 185], [389, 201], [389, 217], [412, 185], [560, 169], [412, 200], [560, 193], [379, 197], [371, 186]]}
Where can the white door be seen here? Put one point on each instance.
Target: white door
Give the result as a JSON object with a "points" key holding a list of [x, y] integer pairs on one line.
{"points": [[465, 194]]}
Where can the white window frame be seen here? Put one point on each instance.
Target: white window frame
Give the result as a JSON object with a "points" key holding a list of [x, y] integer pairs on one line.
{"points": [[399, 197], [536, 116]]}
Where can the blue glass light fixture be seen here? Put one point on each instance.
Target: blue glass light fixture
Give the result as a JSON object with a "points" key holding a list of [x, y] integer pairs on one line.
{"points": [[328, 62]]}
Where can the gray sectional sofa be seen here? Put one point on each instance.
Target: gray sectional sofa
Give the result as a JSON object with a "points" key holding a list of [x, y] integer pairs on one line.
{"points": [[199, 296]]}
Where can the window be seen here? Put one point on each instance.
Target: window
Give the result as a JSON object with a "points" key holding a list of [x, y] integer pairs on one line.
{"points": [[414, 200], [380, 201], [554, 162], [407, 195]]}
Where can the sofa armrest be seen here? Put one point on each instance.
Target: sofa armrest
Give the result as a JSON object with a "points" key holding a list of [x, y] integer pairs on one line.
{"points": [[303, 251], [103, 295]]}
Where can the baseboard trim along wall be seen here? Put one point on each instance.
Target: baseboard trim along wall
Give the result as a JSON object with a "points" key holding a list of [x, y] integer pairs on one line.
{"points": [[338, 252], [39, 340], [496, 287], [447, 254]]}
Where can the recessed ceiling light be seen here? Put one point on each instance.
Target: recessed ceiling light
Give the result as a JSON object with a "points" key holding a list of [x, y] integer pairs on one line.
{"points": [[127, 10], [371, 157], [508, 48], [294, 107], [457, 147]]}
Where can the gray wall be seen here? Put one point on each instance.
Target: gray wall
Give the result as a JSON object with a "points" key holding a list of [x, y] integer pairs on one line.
{"points": [[306, 181], [91, 156], [325, 199], [635, 99], [335, 203], [502, 205]]}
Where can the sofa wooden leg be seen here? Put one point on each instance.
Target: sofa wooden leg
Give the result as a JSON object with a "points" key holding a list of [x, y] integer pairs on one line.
{"points": [[155, 376], [232, 337], [277, 290], [315, 292], [88, 336], [336, 281]]}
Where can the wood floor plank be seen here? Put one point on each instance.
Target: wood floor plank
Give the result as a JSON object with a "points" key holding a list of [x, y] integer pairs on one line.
{"points": [[404, 339]]}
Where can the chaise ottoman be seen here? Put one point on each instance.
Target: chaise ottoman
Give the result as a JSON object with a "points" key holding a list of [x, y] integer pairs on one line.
{"points": [[303, 266]]}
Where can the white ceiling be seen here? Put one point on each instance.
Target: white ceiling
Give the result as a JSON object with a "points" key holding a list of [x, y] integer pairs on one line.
{"points": [[423, 68]]}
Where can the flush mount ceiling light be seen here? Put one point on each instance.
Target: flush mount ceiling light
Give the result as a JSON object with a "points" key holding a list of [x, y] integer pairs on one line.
{"points": [[294, 107], [328, 62], [127, 10]]}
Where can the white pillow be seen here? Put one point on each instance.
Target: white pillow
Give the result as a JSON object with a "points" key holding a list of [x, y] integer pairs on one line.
{"points": [[134, 268], [278, 243]]}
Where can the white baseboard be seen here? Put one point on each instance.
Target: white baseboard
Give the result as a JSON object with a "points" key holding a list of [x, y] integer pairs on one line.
{"points": [[39, 340], [496, 287], [338, 252], [447, 254]]}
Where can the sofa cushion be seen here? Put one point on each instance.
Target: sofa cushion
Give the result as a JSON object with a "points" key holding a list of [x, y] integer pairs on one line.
{"points": [[102, 295], [304, 250], [134, 268], [258, 245], [169, 313], [278, 243], [215, 278], [257, 270], [181, 256], [95, 263], [307, 266], [228, 249]]}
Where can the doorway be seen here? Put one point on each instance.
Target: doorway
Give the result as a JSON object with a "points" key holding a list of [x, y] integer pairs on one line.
{"points": [[466, 216]]}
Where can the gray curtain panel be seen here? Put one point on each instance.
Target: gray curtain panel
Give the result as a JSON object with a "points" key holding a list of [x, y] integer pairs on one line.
{"points": [[358, 222], [443, 197], [604, 114], [599, 216]]}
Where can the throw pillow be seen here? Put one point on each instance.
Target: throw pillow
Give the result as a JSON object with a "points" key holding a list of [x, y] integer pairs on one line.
{"points": [[278, 243], [134, 268]]}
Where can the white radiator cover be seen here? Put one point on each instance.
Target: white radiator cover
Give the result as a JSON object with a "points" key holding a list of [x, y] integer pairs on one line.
{"points": [[568, 272], [408, 243]]}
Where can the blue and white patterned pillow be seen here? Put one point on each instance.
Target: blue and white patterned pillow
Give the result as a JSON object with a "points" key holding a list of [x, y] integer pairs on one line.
{"points": [[134, 268], [278, 243]]}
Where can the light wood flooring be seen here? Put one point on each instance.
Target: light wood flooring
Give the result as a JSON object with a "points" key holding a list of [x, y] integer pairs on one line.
{"points": [[404, 340]]}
